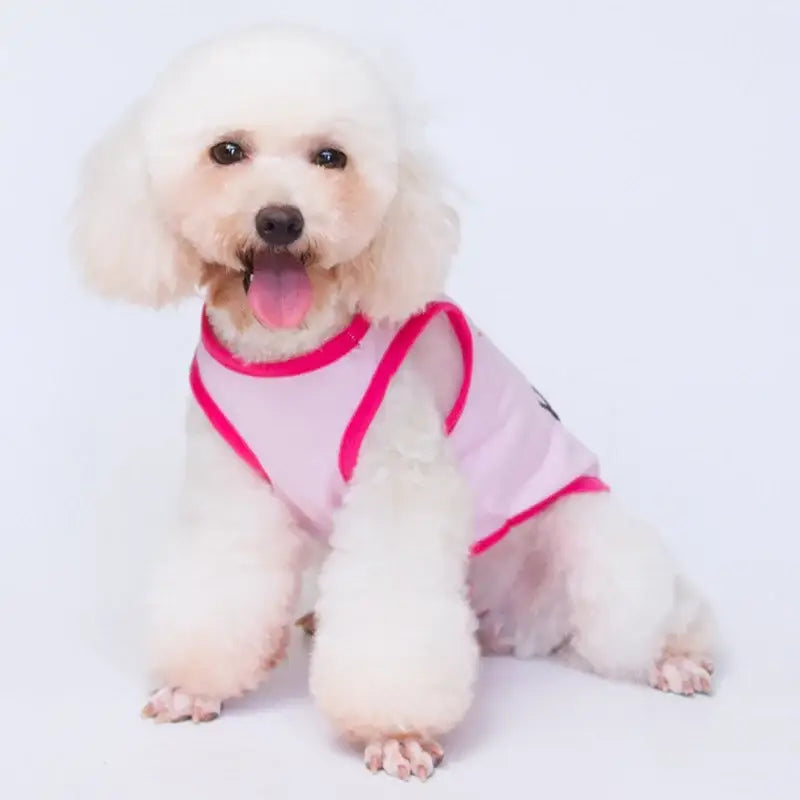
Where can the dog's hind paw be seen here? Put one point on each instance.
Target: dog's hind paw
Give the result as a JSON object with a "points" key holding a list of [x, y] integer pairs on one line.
{"points": [[682, 675]]}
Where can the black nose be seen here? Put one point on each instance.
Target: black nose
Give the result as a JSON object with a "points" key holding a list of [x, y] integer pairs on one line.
{"points": [[279, 225]]}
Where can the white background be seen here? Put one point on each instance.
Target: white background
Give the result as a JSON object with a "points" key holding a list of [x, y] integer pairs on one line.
{"points": [[631, 205]]}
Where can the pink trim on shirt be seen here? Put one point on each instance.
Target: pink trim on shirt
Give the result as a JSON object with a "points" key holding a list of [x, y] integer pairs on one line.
{"points": [[584, 484], [221, 423], [325, 354], [391, 361]]}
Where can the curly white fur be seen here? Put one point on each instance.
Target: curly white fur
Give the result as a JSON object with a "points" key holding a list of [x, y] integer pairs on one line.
{"points": [[224, 591], [396, 651], [397, 575]]}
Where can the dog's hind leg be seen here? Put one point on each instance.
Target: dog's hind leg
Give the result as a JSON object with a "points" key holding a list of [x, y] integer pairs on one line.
{"points": [[588, 581]]}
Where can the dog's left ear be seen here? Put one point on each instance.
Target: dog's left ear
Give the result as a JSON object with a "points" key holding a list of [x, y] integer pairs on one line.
{"points": [[120, 242], [411, 255]]}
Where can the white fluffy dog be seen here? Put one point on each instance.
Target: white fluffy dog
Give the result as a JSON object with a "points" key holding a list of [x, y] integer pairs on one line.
{"points": [[276, 171]]}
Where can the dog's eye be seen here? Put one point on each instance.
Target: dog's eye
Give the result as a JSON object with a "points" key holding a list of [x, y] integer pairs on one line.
{"points": [[227, 153], [330, 158]]}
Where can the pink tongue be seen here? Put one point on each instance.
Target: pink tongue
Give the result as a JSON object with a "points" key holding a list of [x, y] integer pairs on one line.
{"points": [[280, 291]]}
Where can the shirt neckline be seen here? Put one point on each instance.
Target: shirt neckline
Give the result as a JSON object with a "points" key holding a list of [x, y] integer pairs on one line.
{"points": [[329, 351]]}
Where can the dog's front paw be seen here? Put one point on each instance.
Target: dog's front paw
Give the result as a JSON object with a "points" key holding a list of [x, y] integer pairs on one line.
{"points": [[173, 705], [404, 757], [682, 675]]}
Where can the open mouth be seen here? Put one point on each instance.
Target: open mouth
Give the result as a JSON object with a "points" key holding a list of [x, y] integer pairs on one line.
{"points": [[277, 286]]}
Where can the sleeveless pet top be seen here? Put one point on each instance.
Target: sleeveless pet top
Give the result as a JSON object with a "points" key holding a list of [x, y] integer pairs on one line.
{"points": [[300, 423]]}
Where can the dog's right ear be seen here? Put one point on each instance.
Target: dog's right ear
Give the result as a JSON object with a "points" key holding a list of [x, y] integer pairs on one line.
{"points": [[119, 240]]}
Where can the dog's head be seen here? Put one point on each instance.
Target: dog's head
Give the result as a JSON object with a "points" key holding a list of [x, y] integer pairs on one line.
{"points": [[274, 162]]}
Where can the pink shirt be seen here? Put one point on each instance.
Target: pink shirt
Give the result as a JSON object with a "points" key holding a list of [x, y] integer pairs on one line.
{"points": [[300, 423]]}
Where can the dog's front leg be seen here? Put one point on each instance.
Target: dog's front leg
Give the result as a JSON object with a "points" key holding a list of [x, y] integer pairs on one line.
{"points": [[395, 656], [225, 584]]}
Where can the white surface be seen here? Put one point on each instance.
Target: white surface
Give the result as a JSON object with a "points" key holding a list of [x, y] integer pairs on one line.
{"points": [[631, 178]]}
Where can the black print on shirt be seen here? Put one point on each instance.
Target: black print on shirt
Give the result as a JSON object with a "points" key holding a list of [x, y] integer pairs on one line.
{"points": [[544, 404], [539, 396]]}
